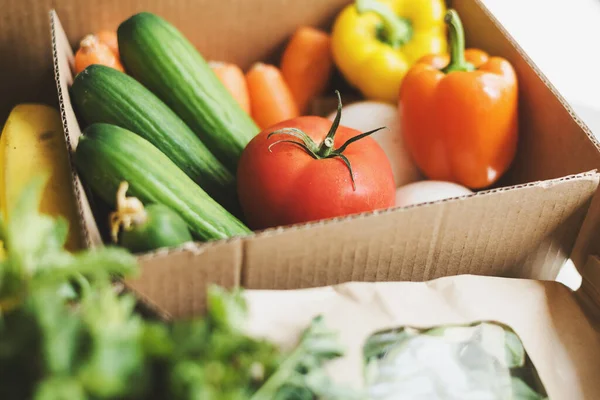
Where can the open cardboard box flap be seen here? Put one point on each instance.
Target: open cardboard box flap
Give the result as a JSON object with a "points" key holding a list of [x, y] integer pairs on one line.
{"points": [[525, 231], [561, 342]]}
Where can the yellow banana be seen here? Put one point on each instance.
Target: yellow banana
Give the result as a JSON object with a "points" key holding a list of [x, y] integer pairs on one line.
{"points": [[32, 142]]}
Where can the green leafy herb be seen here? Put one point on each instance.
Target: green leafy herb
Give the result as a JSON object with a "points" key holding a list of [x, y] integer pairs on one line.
{"points": [[66, 334], [301, 375]]}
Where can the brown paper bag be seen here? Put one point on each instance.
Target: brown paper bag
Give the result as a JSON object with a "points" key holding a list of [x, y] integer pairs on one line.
{"points": [[560, 340]]}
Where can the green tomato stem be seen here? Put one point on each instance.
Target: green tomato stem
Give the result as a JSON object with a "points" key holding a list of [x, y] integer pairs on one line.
{"points": [[325, 149]]}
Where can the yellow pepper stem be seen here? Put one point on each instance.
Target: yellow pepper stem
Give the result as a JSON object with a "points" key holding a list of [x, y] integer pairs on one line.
{"points": [[396, 30], [456, 42]]}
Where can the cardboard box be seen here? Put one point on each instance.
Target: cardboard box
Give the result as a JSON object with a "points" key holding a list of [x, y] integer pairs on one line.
{"points": [[526, 228]]}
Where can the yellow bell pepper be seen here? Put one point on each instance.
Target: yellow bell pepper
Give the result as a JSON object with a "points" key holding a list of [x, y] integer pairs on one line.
{"points": [[375, 43]]}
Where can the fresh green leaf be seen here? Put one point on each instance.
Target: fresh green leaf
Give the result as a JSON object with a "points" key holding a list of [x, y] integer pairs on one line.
{"points": [[156, 340], [227, 309], [522, 391], [322, 341], [301, 369], [103, 262], [66, 334], [515, 352], [31, 236], [2, 229], [60, 329], [379, 344], [60, 388], [115, 363]]}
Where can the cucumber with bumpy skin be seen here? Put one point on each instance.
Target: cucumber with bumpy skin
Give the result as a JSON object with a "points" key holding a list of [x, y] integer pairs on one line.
{"points": [[107, 155], [105, 95], [162, 59], [141, 229]]}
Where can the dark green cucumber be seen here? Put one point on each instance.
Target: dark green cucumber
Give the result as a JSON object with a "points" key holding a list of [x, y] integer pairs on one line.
{"points": [[162, 59], [103, 94], [107, 155], [162, 227]]}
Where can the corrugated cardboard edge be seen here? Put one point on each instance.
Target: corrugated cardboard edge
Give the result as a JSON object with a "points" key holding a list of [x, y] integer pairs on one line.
{"points": [[588, 293], [588, 240], [198, 247], [173, 282], [229, 264], [89, 229], [299, 265]]}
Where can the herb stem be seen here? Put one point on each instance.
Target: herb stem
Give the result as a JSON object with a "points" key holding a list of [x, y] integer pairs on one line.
{"points": [[268, 390]]}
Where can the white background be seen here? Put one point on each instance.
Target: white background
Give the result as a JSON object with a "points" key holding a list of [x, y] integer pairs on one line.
{"points": [[563, 39]]}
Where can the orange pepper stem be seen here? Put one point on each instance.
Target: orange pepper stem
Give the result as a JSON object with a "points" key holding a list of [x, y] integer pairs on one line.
{"points": [[456, 41], [395, 30]]}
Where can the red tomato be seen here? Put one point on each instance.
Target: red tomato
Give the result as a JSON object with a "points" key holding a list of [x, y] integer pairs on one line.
{"points": [[286, 185]]}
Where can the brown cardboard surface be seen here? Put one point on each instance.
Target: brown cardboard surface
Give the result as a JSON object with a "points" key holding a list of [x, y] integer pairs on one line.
{"points": [[562, 344], [589, 292], [588, 241], [526, 231], [62, 59], [526, 228], [173, 282], [25, 44], [26, 67]]}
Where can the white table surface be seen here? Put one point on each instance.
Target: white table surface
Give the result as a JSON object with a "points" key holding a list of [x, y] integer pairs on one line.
{"points": [[563, 39]]}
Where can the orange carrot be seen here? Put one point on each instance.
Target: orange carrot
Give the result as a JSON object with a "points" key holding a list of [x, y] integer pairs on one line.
{"points": [[109, 38], [306, 64], [270, 98], [91, 51], [233, 78]]}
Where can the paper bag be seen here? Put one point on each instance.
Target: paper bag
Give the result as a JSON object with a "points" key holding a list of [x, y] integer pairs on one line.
{"points": [[556, 334]]}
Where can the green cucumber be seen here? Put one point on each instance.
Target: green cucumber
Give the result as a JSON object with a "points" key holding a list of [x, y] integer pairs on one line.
{"points": [[103, 94], [108, 155], [162, 59]]}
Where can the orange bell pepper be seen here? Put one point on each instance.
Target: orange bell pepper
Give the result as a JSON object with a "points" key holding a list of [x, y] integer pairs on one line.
{"points": [[458, 113]]}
